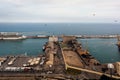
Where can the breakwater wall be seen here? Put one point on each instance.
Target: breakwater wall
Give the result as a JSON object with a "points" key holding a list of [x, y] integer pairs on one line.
{"points": [[60, 36], [77, 36]]}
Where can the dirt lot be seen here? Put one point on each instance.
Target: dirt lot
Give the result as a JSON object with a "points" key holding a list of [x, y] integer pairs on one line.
{"points": [[72, 59]]}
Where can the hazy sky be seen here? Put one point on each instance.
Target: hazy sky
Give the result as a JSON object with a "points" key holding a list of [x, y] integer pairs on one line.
{"points": [[59, 10]]}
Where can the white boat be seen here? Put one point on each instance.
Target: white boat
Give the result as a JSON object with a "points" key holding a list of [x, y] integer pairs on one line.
{"points": [[11, 36]]}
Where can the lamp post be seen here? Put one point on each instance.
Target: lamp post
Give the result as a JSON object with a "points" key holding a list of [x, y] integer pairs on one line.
{"points": [[110, 66]]}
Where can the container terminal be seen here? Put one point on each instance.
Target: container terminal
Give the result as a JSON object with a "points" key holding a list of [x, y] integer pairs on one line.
{"points": [[62, 60]]}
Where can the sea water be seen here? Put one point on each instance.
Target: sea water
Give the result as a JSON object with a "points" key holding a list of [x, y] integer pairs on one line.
{"points": [[105, 50]]}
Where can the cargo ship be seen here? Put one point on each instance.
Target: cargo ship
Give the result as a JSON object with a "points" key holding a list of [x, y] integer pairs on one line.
{"points": [[11, 36]]}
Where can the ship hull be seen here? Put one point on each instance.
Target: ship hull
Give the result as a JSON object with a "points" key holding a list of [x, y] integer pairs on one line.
{"points": [[11, 36]]}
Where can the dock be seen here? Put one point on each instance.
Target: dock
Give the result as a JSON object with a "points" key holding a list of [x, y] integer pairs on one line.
{"points": [[62, 60]]}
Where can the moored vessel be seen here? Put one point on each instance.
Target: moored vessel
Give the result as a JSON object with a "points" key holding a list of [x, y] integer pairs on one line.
{"points": [[11, 36]]}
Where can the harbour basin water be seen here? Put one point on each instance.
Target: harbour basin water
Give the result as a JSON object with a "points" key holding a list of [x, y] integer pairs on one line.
{"points": [[32, 47], [105, 50]]}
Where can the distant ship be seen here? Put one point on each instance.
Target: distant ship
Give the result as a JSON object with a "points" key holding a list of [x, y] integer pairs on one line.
{"points": [[11, 36]]}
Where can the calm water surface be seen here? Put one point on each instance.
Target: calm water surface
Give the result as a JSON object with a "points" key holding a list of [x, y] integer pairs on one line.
{"points": [[104, 50]]}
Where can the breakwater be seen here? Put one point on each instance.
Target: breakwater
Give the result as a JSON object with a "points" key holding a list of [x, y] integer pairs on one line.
{"points": [[47, 36], [77, 36], [16, 35]]}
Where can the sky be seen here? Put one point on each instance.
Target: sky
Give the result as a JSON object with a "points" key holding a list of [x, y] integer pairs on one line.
{"points": [[100, 11]]}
